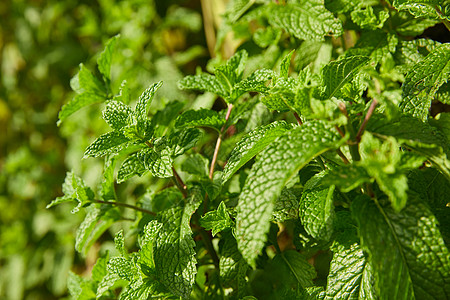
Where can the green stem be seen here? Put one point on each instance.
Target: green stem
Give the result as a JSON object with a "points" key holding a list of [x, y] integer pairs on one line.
{"points": [[145, 211]]}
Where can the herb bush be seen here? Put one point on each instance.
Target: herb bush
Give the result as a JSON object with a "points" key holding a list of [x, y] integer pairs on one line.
{"points": [[305, 166]]}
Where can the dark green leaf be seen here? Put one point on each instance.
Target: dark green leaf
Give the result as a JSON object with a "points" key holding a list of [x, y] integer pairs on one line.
{"points": [[406, 250], [200, 118], [131, 166]]}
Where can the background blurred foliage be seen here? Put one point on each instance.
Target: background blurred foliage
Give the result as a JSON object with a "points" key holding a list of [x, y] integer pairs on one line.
{"points": [[41, 45]]}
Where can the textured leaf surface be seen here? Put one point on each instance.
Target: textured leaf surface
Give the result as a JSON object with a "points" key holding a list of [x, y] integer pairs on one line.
{"points": [[203, 82], [253, 143], [255, 82], [339, 72], [131, 166], [297, 264], [350, 274], [423, 81], [286, 206], [183, 140], [374, 44], [174, 252], [144, 101], [275, 166], [308, 21], [158, 162], [117, 114], [316, 212], [107, 143], [200, 118], [104, 60], [406, 250], [438, 9]]}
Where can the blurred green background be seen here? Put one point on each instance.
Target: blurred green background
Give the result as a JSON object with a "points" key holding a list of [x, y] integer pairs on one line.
{"points": [[41, 45]]}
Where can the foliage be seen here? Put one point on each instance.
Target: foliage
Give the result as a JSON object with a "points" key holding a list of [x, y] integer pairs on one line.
{"points": [[309, 163]]}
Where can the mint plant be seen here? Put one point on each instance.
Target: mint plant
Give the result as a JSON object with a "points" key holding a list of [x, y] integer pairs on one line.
{"points": [[321, 174]]}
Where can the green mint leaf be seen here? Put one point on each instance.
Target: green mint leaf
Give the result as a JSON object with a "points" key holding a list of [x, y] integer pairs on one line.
{"points": [[286, 206], [200, 118], [117, 114], [119, 243], [104, 60], [108, 191], [99, 270], [140, 290], [381, 161], [141, 109], [367, 18], [233, 268], [147, 242], [309, 20], [122, 267], [255, 82], [124, 93], [347, 177], [442, 123], [196, 164], [217, 220], [107, 282], [183, 140], [78, 102], [437, 9], [79, 287], [423, 81], [275, 166], [251, 144], [157, 160], [285, 64], [339, 72], [74, 189], [341, 6], [96, 222], [110, 142], [231, 73], [203, 82], [408, 256], [296, 265], [351, 276], [316, 212], [163, 118], [374, 44], [131, 166], [173, 250], [408, 25], [85, 82]]}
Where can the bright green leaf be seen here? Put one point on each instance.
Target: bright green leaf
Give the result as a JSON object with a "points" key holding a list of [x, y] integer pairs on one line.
{"points": [[104, 60], [339, 72], [251, 144], [117, 114], [141, 109], [110, 142], [309, 20], [275, 166], [423, 81], [217, 220], [200, 118], [173, 250]]}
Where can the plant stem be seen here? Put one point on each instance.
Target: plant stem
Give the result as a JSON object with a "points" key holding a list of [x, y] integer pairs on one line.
{"points": [[145, 211], [341, 133], [366, 119], [352, 144], [341, 155], [179, 182], [219, 142], [297, 117]]}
